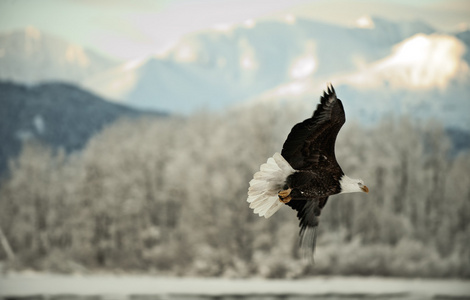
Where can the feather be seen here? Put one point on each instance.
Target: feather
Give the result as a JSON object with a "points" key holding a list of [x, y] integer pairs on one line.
{"points": [[266, 184], [308, 240]]}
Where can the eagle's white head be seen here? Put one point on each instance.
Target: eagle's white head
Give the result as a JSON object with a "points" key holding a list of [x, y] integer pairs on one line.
{"points": [[351, 185]]}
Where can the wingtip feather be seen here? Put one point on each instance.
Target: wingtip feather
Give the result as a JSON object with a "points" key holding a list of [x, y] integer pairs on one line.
{"points": [[330, 92], [308, 241], [330, 88]]}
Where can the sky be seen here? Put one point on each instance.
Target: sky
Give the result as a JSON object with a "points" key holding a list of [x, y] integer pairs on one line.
{"points": [[135, 29]]}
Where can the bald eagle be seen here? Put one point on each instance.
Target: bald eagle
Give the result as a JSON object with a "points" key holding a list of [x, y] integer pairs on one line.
{"points": [[306, 172]]}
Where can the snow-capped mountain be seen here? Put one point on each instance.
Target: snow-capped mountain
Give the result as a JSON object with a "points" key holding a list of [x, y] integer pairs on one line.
{"points": [[425, 77], [216, 68], [381, 67], [29, 56]]}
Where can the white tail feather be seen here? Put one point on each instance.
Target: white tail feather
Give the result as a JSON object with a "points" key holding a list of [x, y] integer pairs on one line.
{"points": [[266, 184]]}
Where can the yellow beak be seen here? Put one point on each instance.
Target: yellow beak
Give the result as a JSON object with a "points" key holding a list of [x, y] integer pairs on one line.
{"points": [[365, 189]]}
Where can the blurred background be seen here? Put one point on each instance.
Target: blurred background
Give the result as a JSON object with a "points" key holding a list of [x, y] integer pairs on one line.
{"points": [[129, 131]]}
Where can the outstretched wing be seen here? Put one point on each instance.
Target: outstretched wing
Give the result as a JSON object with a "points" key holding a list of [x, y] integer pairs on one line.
{"points": [[311, 143], [308, 212]]}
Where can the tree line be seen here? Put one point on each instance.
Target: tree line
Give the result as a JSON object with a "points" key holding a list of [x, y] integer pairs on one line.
{"points": [[169, 197]]}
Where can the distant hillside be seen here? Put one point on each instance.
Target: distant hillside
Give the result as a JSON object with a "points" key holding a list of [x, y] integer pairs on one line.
{"points": [[57, 114], [460, 140], [30, 56]]}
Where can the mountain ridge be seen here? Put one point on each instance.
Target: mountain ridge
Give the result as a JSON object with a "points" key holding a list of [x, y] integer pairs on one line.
{"points": [[217, 68], [57, 114]]}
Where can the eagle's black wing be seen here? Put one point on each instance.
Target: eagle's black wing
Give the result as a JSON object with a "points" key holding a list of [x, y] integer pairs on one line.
{"points": [[308, 212], [310, 146], [311, 143]]}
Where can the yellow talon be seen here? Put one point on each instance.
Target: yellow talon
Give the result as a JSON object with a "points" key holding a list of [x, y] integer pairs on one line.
{"points": [[284, 195]]}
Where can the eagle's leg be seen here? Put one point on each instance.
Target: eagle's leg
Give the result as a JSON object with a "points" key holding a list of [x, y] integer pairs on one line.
{"points": [[284, 195]]}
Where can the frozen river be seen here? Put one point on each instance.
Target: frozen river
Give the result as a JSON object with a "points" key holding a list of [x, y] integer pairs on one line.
{"points": [[101, 287]]}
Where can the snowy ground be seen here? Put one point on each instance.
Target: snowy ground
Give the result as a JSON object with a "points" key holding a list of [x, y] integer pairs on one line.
{"points": [[19, 285]]}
